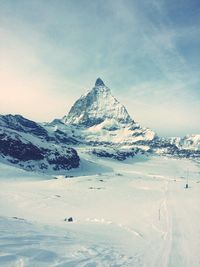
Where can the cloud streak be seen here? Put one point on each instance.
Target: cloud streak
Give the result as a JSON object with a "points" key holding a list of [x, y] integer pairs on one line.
{"points": [[52, 53]]}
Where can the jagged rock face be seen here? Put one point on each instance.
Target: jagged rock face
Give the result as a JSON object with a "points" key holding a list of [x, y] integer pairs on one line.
{"points": [[97, 118], [99, 82], [187, 147], [95, 107], [14, 147], [28, 145], [189, 142], [114, 153], [19, 123]]}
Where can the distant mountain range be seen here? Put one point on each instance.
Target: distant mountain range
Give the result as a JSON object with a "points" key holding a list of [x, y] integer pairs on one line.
{"points": [[97, 122]]}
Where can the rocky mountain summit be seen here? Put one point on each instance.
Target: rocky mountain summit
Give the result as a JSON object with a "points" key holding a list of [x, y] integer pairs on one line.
{"points": [[96, 106], [98, 120], [98, 123], [101, 118]]}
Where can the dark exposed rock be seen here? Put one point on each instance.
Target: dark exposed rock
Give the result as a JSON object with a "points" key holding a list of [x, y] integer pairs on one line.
{"points": [[67, 160], [99, 82], [33, 152], [170, 149], [63, 138], [70, 219], [21, 124], [18, 150], [115, 154], [15, 148]]}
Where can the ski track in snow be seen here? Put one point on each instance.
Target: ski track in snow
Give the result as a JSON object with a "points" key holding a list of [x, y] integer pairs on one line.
{"points": [[142, 217], [163, 256]]}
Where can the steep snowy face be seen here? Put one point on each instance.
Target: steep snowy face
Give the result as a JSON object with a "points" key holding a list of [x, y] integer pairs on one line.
{"points": [[21, 124], [190, 142], [97, 106]]}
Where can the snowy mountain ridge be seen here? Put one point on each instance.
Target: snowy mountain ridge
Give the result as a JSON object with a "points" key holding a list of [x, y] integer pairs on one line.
{"points": [[28, 145], [99, 118], [191, 142], [97, 123], [100, 121], [96, 106]]}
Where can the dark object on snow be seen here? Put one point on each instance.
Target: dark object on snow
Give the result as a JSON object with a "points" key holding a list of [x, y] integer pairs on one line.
{"points": [[186, 186], [17, 218], [96, 188], [70, 219]]}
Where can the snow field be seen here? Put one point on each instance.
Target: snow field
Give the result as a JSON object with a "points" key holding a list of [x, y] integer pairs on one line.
{"points": [[132, 213]]}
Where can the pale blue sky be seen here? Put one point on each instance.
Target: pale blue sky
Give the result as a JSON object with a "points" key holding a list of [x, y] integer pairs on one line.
{"points": [[147, 52]]}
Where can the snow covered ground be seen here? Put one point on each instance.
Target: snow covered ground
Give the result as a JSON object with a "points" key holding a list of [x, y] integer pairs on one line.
{"points": [[132, 213]]}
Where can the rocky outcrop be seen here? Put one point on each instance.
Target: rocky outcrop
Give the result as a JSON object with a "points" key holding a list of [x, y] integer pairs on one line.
{"points": [[26, 145], [118, 154], [21, 124]]}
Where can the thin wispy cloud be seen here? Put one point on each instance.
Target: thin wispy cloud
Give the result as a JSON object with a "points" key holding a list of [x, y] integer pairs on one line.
{"points": [[52, 52]]}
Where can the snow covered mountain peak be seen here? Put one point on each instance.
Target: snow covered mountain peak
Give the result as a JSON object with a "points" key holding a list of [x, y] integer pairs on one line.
{"points": [[99, 82], [96, 106]]}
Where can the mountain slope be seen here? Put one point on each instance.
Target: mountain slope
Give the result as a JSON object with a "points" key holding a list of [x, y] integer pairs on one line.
{"points": [[19, 123], [28, 145], [99, 119], [191, 142], [96, 106], [96, 124]]}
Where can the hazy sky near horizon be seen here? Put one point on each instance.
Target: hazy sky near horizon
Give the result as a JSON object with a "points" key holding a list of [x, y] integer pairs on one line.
{"points": [[147, 52]]}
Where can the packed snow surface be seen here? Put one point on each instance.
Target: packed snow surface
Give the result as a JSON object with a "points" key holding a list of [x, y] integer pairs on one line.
{"points": [[131, 213]]}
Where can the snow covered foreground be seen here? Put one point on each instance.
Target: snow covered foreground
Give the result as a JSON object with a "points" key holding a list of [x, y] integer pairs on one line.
{"points": [[132, 213]]}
